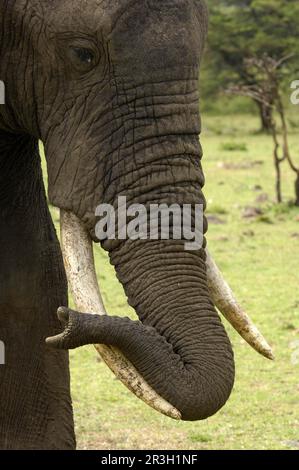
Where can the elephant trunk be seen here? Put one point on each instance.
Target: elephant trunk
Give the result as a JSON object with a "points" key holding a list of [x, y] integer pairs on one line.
{"points": [[179, 346], [177, 357]]}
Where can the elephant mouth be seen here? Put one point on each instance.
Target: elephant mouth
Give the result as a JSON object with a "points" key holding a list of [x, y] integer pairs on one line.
{"points": [[79, 263]]}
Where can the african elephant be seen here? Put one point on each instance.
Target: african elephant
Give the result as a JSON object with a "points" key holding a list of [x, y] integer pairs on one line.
{"points": [[111, 89]]}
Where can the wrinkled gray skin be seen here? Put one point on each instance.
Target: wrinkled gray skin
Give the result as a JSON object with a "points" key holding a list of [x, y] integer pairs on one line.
{"points": [[111, 88]]}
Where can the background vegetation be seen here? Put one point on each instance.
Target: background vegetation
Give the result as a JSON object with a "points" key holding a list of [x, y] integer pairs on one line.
{"points": [[255, 242], [242, 30]]}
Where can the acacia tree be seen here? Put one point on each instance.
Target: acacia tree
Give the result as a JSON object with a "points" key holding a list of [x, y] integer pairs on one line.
{"points": [[242, 29], [266, 90]]}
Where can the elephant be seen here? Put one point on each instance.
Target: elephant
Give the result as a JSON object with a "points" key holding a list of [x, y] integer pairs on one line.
{"points": [[110, 87]]}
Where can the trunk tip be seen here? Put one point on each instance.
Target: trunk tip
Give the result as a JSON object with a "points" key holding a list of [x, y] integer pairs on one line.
{"points": [[63, 314]]}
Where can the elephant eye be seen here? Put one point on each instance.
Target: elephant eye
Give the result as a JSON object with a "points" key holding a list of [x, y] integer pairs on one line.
{"points": [[82, 58]]}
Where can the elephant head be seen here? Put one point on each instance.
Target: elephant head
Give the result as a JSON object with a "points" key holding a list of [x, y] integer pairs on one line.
{"points": [[111, 88]]}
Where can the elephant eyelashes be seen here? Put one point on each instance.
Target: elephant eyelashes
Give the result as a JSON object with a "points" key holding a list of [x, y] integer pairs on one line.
{"points": [[83, 59]]}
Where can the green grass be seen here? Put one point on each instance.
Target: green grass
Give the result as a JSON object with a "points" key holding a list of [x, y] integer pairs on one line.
{"points": [[233, 146], [260, 260]]}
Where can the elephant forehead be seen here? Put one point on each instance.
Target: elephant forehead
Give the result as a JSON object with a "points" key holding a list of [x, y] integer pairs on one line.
{"points": [[158, 34], [152, 21]]}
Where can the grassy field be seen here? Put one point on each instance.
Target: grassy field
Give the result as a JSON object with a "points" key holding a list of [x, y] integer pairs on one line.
{"points": [[259, 256]]}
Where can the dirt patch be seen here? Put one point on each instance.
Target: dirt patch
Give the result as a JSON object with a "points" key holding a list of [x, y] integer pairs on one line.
{"points": [[246, 165]]}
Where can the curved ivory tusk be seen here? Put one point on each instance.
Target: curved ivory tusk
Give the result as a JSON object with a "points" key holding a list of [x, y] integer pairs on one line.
{"points": [[79, 264], [226, 303]]}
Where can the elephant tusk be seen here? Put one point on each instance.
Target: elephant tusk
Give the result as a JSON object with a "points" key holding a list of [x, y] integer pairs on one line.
{"points": [[226, 303], [78, 258]]}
